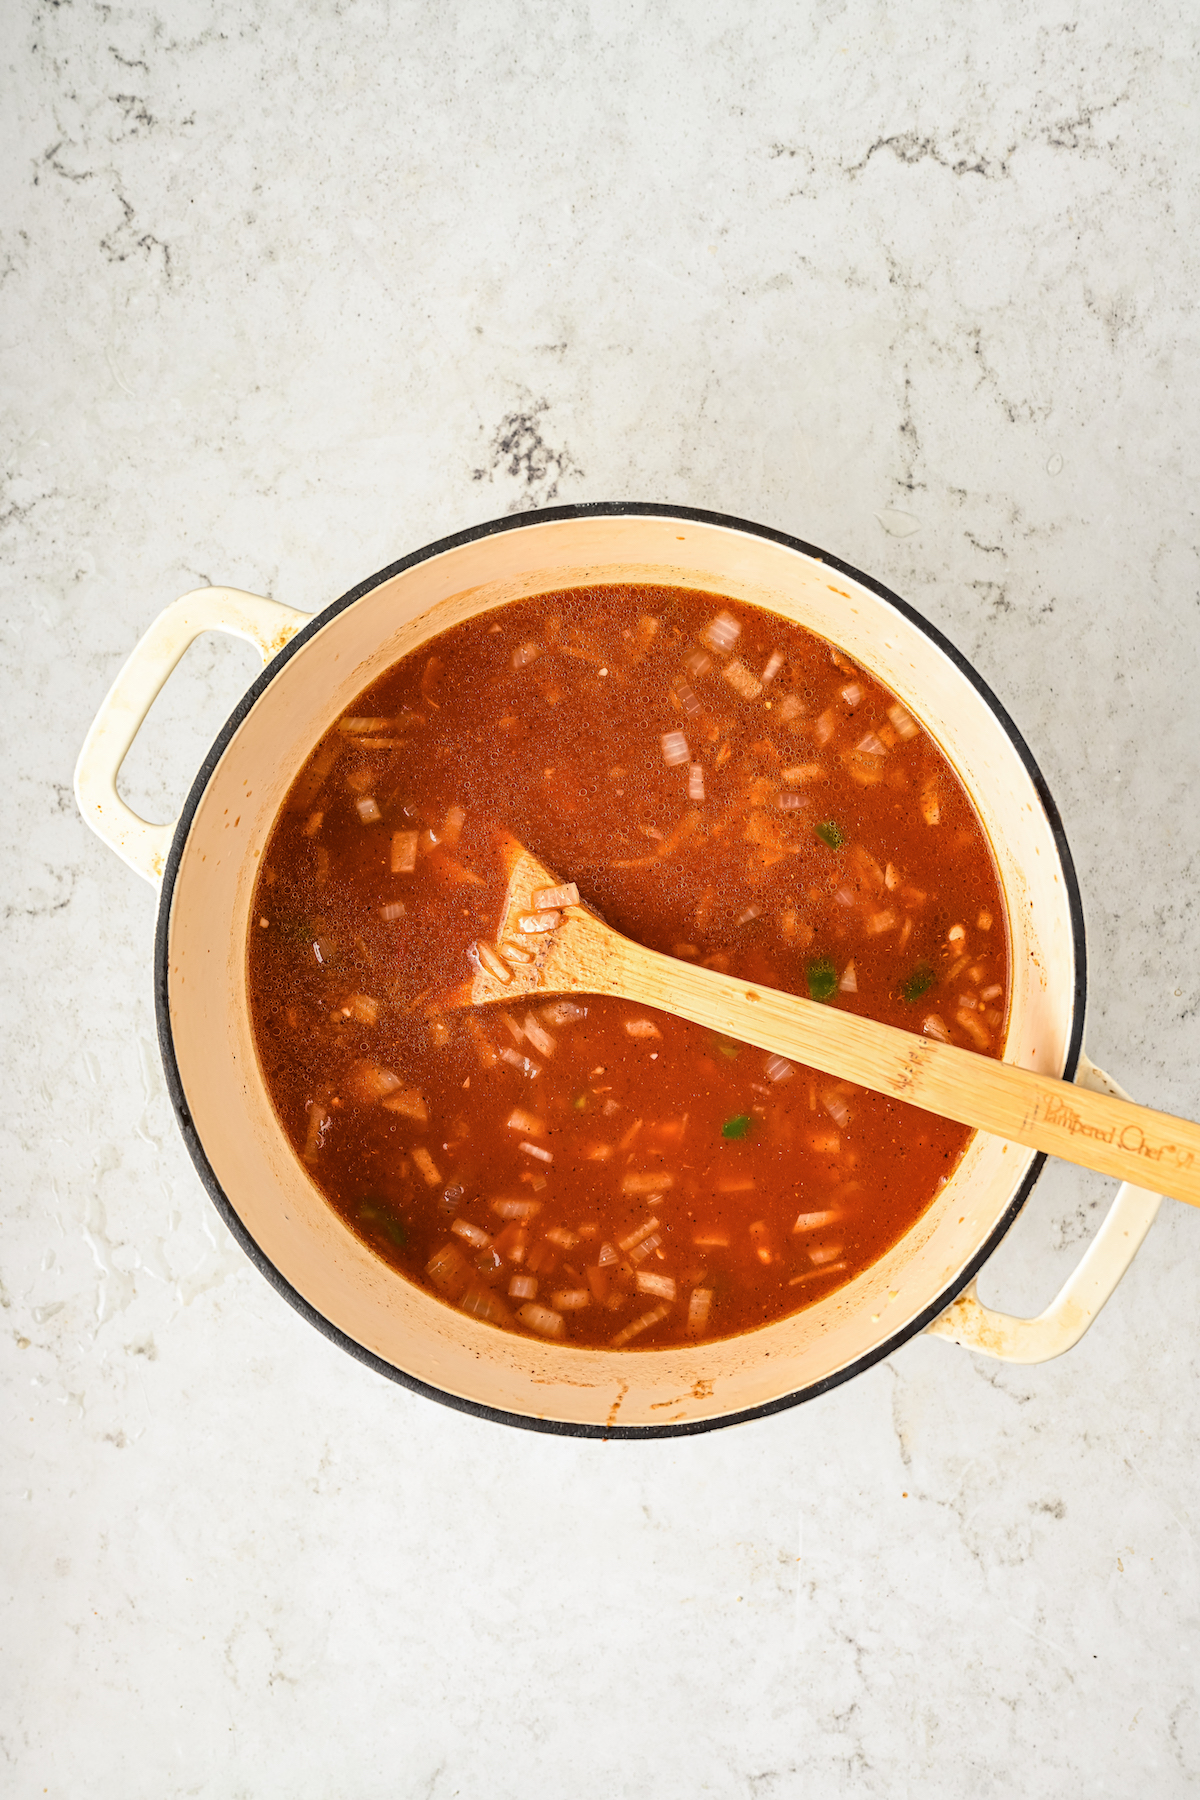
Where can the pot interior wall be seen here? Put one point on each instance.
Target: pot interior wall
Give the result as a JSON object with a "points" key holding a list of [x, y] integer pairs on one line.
{"points": [[251, 1158]]}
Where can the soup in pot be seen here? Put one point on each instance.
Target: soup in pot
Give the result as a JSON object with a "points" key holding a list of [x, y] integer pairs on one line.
{"points": [[720, 785]]}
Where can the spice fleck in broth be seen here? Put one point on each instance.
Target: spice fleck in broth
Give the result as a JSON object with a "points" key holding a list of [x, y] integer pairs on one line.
{"points": [[721, 786]]}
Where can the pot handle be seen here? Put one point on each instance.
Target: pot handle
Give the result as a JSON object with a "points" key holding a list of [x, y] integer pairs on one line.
{"points": [[266, 623], [972, 1325]]}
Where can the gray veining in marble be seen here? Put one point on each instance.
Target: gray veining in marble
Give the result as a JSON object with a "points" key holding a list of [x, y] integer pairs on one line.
{"points": [[286, 292]]}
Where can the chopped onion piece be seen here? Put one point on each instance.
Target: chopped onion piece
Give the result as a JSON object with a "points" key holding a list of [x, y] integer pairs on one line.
{"points": [[931, 810], [483, 953], [741, 680], [696, 782], [880, 922], [978, 1033], [483, 1044], [546, 1156], [361, 1007], [571, 1299], [790, 708], [471, 1234], [697, 664], [404, 852], [313, 824], [811, 1274], [524, 654], [834, 1101], [675, 749], [661, 1285], [903, 721], [791, 802], [489, 1261], [698, 1308], [540, 921], [515, 953], [984, 921], [635, 1237], [427, 1166], [409, 1103], [849, 982], [548, 898], [542, 1319], [824, 728], [992, 993], [563, 1012], [368, 809], [778, 1069], [599, 1153], [712, 1238], [629, 1332], [447, 1269], [395, 909], [646, 1248], [642, 1028], [867, 865], [452, 826], [522, 1287], [539, 1037], [634, 1183], [368, 727], [607, 1257], [520, 1120], [367, 1082], [760, 1237], [935, 1028], [523, 1063], [687, 700], [722, 633], [852, 693], [820, 1254], [318, 1119], [813, 1221], [558, 1234], [516, 1209], [956, 935], [774, 664]]}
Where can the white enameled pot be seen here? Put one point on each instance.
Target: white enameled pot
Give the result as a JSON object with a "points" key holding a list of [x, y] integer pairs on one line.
{"points": [[206, 865]]}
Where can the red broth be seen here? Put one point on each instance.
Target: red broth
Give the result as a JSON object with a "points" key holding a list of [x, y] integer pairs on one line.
{"points": [[722, 786]]}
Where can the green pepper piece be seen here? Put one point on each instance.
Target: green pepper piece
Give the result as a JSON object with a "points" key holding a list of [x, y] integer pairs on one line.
{"points": [[918, 983], [822, 978], [831, 833], [737, 1128]]}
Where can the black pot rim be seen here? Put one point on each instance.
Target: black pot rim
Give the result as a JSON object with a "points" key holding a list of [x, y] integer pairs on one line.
{"points": [[560, 1427]]}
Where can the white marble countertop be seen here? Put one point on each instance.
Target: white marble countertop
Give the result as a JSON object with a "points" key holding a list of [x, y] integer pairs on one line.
{"points": [[288, 293]]}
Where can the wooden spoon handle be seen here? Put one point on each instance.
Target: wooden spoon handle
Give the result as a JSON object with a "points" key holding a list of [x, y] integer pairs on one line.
{"points": [[1151, 1149]]}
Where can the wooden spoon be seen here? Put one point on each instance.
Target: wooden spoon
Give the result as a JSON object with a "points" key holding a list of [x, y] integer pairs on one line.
{"points": [[550, 943]]}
